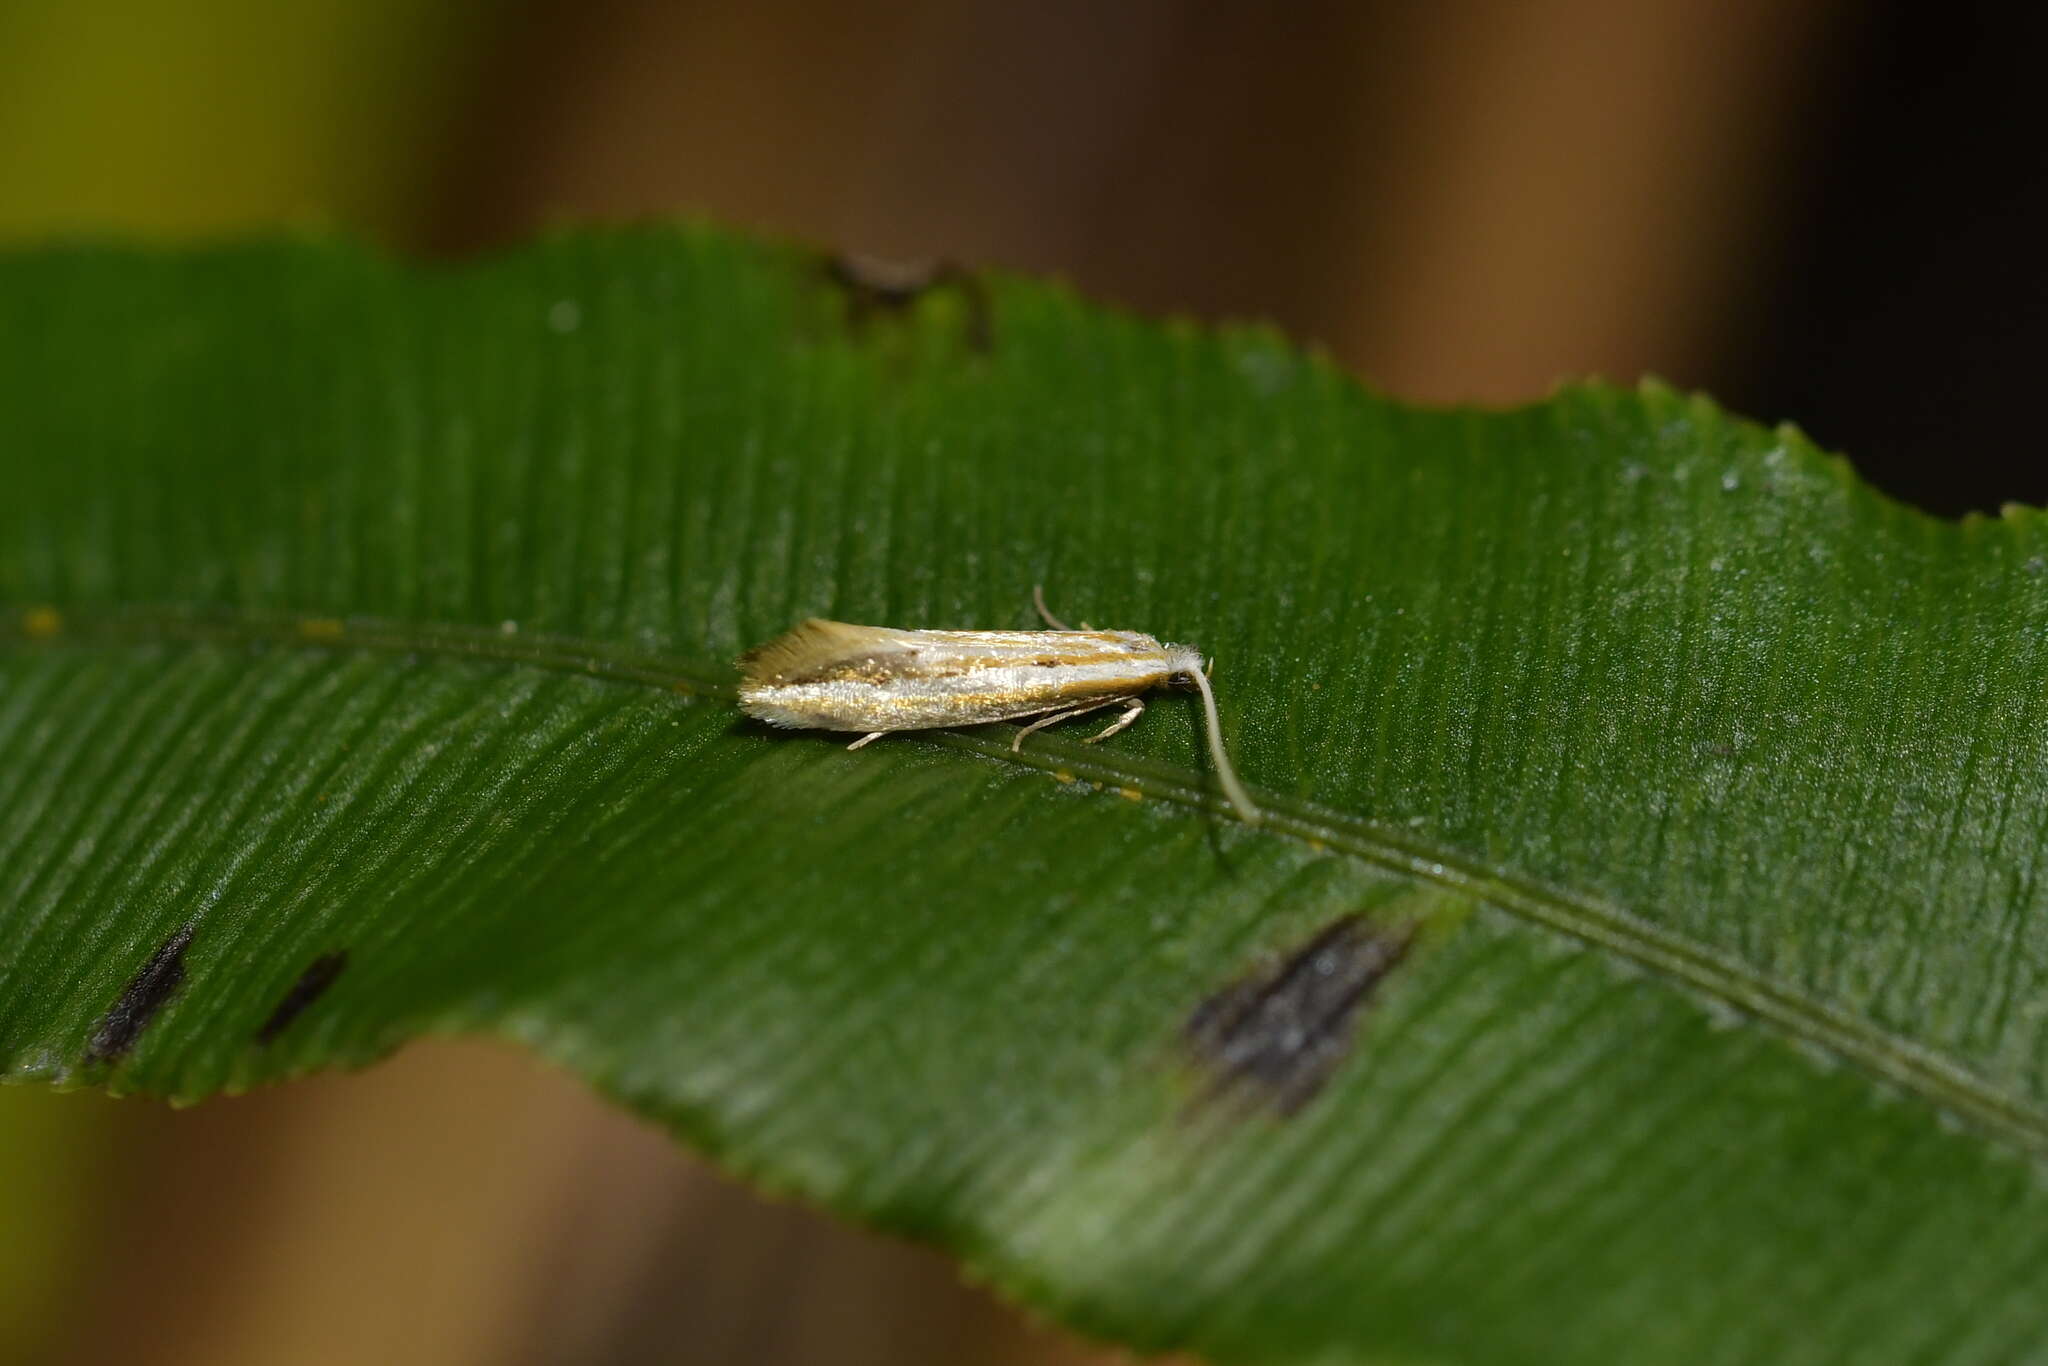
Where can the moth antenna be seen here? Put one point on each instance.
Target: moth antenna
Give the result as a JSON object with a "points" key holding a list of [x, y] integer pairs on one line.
{"points": [[1038, 597], [1232, 788]]}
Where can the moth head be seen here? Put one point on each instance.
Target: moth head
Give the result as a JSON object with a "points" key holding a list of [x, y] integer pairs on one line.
{"points": [[1183, 662]]}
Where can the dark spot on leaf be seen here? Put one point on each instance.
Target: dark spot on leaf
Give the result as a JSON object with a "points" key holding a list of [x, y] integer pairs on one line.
{"points": [[311, 986], [146, 994], [1276, 1035], [875, 287]]}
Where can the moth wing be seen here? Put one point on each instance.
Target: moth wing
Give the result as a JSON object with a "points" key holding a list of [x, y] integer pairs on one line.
{"points": [[1011, 647], [817, 645]]}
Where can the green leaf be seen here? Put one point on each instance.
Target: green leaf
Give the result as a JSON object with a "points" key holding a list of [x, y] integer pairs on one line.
{"points": [[1642, 959]]}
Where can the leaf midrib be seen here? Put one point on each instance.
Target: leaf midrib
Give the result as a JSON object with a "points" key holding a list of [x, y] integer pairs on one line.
{"points": [[1697, 967]]}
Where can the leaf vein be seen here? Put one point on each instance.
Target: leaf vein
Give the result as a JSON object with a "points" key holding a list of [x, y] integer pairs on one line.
{"points": [[1707, 972]]}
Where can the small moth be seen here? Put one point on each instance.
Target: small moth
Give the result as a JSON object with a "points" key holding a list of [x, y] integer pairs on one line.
{"points": [[830, 675]]}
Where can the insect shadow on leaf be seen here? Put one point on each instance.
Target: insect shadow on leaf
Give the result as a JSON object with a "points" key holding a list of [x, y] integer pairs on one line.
{"points": [[311, 986], [1273, 1038], [146, 994]]}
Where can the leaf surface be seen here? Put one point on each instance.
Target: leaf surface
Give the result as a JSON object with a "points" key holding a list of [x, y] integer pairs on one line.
{"points": [[1642, 959]]}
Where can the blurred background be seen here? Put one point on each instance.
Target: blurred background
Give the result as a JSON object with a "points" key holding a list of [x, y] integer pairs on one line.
{"points": [[1818, 211]]}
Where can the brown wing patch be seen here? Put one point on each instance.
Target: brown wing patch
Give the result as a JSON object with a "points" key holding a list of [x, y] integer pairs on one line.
{"points": [[817, 650]]}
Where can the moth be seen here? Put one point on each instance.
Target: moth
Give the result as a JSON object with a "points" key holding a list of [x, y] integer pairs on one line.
{"points": [[833, 675]]}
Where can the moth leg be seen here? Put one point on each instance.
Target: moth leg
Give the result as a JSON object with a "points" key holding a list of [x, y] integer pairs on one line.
{"points": [[871, 735], [1049, 719], [1134, 707], [1054, 718]]}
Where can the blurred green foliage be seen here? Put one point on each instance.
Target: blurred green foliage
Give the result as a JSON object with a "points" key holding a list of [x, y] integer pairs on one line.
{"points": [[167, 120]]}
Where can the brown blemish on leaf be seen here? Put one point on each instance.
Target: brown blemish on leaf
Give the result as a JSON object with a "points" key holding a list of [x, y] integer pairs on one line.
{"points": [[1275, 1036], [311, 986], [875, 286], [145, 995], [42, 623]]}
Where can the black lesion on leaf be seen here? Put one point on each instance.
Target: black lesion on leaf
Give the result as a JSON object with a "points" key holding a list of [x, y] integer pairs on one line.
{"points": [[876, 287], [311, 986], [1276, 1035], [146, 994]]}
